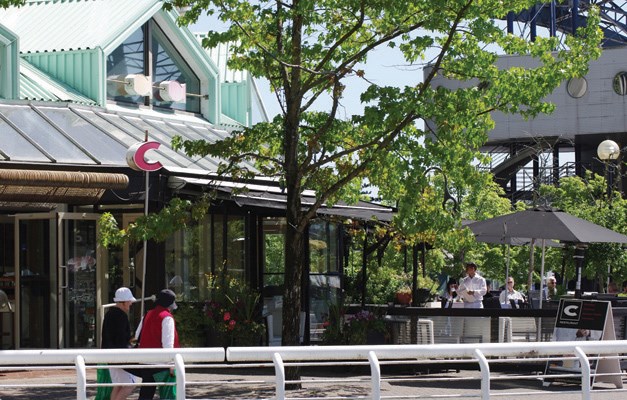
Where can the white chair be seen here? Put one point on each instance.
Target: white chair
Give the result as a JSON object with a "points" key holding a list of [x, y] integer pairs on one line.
{"points": [[425, 331], [274, 323], [274, 335]]}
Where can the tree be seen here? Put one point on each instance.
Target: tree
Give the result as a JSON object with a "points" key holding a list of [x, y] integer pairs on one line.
{"points": [[9, 3], [311, 50]]}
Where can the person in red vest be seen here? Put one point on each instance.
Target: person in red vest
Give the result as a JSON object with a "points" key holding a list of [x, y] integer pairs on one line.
{"points": [[157, 331]]}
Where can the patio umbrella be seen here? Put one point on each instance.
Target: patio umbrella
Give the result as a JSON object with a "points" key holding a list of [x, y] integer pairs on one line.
{"points": [[547, 223]]}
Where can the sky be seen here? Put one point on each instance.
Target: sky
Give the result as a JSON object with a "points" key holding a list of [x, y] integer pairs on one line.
{"points": [[384, 67]]}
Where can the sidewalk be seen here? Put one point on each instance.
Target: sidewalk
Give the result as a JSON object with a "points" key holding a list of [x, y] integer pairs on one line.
{"points": [[255, 384]]}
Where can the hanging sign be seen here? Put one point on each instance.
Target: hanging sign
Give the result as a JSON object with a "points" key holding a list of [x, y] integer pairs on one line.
{"points": [[136, 157]]}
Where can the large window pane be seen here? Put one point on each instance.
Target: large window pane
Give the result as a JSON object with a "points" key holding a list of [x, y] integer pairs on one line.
{"points": [[168, 65], [127, 59], [236, 247]]}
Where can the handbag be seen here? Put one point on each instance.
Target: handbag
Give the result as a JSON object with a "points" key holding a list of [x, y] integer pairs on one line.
{"points": [[103, 376], [166, 391]]}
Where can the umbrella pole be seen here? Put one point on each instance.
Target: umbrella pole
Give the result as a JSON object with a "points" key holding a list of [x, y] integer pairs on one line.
{"points": [[539, 320], [507, 263], [541, 275], [531, 264]]}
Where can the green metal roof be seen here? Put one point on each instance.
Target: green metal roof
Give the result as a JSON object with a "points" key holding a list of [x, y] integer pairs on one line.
{"points": [[36, 85], [67, 25], [235, 86], [9, 65]]}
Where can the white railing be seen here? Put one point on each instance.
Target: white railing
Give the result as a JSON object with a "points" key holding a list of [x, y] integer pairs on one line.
{"points": [[483, 354]]}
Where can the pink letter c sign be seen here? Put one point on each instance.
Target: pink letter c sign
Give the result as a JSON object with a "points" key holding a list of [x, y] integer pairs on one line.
{"points": [[136, 156]]}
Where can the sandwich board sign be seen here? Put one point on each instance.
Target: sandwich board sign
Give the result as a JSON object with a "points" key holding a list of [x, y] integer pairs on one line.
{"points": [[583, 320]]}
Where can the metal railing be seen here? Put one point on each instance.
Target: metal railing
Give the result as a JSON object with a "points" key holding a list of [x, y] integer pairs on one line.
{"points": [[374, 357]]}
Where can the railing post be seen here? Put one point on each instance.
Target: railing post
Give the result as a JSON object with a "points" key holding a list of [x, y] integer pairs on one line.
{"points": [[279, 371], [179, 364], [375, 375], [81, 378], [485, 374], [585, 373]]}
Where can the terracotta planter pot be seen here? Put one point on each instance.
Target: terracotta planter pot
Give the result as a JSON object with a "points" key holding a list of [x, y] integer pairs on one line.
{"points": [[403, 298]]}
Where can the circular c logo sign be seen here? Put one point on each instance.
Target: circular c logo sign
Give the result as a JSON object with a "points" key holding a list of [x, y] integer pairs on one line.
{"points": [[136, 156]]}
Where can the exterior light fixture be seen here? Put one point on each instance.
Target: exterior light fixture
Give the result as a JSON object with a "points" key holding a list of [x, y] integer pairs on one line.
{"points": [[608, 150]]}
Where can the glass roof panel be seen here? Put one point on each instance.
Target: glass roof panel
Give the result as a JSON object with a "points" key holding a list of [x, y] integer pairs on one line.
{"points": [[135, 127], [46, 136], [16, 147], [101, 146], [170, 131]]}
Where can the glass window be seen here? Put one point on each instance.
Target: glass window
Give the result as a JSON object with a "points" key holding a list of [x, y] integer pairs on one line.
{"points": [[168, 65], [236, 247], [323, 242], [185, 273], [273, 255], [127, 59], [620, 83]]}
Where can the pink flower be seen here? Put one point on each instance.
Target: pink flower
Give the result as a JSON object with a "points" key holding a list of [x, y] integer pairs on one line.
{"points": [[227, 316], [231, 324]]}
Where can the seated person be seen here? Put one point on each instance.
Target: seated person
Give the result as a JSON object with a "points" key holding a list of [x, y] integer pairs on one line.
{"points": [[489, 300], [549, 292], [510, 295], [450, 295]]}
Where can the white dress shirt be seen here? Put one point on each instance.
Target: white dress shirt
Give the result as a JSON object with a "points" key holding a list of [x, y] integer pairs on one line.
{"points": [[475, 284]]}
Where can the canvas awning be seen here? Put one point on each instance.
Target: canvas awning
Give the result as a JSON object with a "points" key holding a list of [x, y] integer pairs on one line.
{"points": [[21, 187]]}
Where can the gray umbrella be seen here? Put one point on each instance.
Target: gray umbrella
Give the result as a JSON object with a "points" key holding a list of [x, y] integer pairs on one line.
{"points": [[546, 223]]}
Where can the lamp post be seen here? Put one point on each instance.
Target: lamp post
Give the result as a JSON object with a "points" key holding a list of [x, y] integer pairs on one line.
{"points": [[608, 151]]}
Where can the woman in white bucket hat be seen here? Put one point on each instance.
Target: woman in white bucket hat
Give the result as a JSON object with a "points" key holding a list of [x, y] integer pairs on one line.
{"points": [[116, 334]]}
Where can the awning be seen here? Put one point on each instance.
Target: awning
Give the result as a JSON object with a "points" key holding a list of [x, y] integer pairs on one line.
{"points": [[272, 197], [23, 188]]}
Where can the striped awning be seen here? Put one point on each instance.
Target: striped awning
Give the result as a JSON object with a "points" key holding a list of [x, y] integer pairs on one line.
{"points": [[42, 187]]}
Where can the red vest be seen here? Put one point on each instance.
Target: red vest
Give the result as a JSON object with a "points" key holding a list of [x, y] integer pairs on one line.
{"points": [[151, 329]]}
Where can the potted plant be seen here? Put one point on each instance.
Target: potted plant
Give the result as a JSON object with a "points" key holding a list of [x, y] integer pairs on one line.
{"points": [[232, 315], [403, 295]]}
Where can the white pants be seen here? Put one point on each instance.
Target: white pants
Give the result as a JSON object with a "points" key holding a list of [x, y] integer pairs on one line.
{"points": [[118, 375]]}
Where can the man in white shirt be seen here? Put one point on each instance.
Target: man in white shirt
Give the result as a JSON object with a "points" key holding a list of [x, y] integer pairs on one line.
{"points": [[511, 294], [472, 288]]}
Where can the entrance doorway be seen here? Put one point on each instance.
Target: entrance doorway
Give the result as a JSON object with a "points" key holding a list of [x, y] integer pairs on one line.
{"points": [[55, 273]]}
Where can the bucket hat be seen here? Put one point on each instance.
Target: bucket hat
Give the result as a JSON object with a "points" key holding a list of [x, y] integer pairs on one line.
{"points": [[123, 294]]}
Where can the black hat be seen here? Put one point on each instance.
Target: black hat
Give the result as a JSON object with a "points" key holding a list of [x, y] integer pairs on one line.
{"points": [[165, 298]]}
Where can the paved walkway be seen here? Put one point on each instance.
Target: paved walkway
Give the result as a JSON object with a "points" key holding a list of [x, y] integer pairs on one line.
{"points": [[257, 384]]}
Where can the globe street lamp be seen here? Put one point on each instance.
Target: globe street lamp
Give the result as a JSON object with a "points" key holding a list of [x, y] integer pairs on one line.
{"points": [[608, 151]]}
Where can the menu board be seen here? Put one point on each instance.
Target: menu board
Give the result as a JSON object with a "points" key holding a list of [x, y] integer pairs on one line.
{"points": [[583, 320]]}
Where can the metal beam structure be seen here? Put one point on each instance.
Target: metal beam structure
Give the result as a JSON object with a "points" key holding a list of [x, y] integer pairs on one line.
{"points": [[566, 16]]}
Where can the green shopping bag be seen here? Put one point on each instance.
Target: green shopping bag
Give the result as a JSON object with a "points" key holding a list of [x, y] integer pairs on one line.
{"points": [[103, 376], [167, 391]]}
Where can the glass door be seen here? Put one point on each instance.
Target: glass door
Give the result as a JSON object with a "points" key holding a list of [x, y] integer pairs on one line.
{"points": [[56, 262], [78, 291], [36, 280]]}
